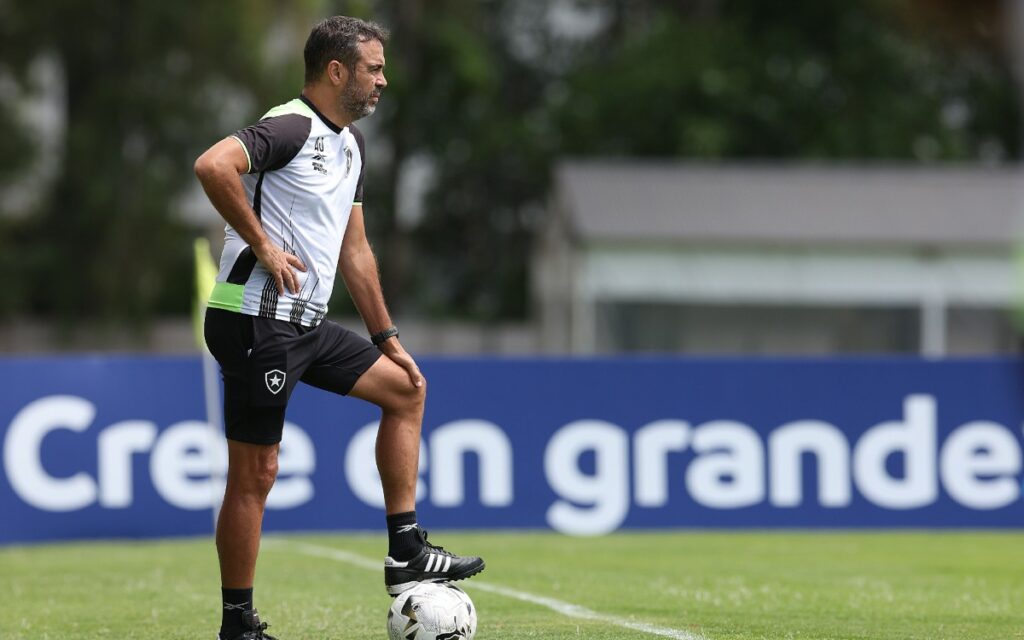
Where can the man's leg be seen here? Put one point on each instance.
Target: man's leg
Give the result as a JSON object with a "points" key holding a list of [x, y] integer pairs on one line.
{"points": [[252, 469], [260, 360], [387, 385], [411, 559]]}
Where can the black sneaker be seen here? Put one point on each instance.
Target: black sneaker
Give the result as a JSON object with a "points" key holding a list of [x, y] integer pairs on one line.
{"points": [[431, 564], [254, 628]]}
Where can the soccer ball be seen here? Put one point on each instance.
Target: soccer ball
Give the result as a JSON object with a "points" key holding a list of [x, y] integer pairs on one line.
{"points": [[432, 611]]}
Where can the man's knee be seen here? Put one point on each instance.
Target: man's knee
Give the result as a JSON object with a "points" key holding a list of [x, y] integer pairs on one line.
{"points": [[388, 386], [265, 474], [254, 468], [406, 398]]}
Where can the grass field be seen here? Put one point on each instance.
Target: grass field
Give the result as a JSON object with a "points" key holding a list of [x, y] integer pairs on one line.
{"points": [[711, 585]]}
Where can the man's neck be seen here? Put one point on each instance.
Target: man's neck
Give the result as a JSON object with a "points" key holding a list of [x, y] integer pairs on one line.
{"points": [[325, 103]]}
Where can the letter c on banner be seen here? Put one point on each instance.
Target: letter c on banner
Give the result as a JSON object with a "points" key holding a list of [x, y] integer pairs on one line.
{"points": [[23, 462]]}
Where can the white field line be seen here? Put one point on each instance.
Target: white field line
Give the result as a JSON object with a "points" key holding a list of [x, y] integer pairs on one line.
{"points": [[558, 606]]}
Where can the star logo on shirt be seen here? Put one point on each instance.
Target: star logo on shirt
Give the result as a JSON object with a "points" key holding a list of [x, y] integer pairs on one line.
{"points": [[275, 380]]}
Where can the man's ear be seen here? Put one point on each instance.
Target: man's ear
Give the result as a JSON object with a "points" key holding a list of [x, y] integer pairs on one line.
{"points": [[337, 73]]}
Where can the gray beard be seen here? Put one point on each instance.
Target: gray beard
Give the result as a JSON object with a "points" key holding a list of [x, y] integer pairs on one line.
{"points": [[355, 105]]}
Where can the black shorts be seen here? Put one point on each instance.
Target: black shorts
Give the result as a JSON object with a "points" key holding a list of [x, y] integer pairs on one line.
{"points": [[262, 359]]}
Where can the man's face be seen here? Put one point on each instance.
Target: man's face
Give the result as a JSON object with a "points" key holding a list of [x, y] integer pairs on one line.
{"points": [[361, 93]]}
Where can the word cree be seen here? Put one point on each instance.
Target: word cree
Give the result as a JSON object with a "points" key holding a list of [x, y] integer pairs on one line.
{"points": [[596, 471], [187, 461]]}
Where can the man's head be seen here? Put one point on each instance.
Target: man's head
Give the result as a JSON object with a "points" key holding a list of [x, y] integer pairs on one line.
{"points": [[348, 55]]}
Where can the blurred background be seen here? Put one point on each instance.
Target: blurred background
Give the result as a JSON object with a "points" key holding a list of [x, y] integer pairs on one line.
{"points": [[545, 177]]}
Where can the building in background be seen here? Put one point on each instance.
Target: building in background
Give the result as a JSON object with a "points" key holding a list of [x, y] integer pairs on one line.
{"points": [[684, 258]]}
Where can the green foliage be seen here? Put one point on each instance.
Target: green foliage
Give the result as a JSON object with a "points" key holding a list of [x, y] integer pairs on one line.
{"points": [[803, 80], [148, 86], [735, 79], [151, 84], [15, 147], [464, 101]]}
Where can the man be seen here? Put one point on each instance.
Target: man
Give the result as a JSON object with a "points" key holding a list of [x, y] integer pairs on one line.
{"points": [[290, 189]]}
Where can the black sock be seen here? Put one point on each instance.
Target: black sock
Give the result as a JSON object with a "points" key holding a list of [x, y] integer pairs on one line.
{"points": [[235, 602], [403, 536]]}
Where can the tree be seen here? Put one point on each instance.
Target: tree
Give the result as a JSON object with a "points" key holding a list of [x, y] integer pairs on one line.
{"points": [[489, 95], [809, 79], [147, 85], [461, 98], [494, 94]]}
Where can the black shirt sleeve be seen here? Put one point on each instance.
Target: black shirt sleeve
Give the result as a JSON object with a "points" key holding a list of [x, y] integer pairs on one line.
{"points": [[273, 142], [358, 135]]}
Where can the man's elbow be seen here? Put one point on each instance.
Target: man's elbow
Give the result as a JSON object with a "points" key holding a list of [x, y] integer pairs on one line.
{"points": [[204, 167], [351, 262], [209, 165], [345, 264]]}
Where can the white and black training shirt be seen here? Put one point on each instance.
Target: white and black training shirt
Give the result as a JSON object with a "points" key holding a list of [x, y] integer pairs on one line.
{"points": [[305, 174]]}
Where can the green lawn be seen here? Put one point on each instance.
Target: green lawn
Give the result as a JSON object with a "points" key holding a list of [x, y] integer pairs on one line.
{"points": [[713, 585]]}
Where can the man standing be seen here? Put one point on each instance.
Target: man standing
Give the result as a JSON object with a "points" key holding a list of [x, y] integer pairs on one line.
{"points": [[290, 188]]}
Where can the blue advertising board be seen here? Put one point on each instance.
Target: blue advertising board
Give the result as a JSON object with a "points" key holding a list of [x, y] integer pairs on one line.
{"points": [[120, 447]]}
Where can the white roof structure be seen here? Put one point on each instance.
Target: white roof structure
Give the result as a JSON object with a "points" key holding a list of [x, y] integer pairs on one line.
{"points": [[792, 205], [929, 238]]}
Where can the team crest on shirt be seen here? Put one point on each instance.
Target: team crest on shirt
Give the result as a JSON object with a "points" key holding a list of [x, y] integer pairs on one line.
{"points": [[274, 380], [348, 161]]}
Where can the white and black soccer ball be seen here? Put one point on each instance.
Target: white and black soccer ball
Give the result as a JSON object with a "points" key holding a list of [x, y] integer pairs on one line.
{"points": [[432, 611]]}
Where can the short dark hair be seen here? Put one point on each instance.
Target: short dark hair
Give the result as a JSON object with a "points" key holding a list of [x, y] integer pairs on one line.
{"points": [[337, 38]]}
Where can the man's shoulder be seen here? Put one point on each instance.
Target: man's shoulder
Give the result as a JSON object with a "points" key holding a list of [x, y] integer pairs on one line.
{"points": [[274, 141], [288, 124], [358, 135], [292, 107]]}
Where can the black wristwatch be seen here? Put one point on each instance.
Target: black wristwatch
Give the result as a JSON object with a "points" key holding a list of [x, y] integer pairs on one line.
{"points": [[378, 338]]}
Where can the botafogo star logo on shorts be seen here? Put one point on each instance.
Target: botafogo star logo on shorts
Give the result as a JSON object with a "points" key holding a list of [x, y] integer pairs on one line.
{"points": [[275, 380]]}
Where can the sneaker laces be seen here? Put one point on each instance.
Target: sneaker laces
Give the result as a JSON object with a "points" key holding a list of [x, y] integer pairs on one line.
{"points": [[257, 633], [256, 627], [434, 547]]}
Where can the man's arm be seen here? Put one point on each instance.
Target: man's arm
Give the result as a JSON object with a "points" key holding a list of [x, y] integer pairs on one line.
{"points": [[218, 170], [358, 267]]}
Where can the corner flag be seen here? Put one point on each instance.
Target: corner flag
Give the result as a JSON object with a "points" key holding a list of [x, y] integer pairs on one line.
{"points": [[206, 277]]}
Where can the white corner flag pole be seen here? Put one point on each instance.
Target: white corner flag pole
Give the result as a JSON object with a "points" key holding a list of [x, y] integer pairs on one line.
{"points": [[206, 274], [211, 390]]}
